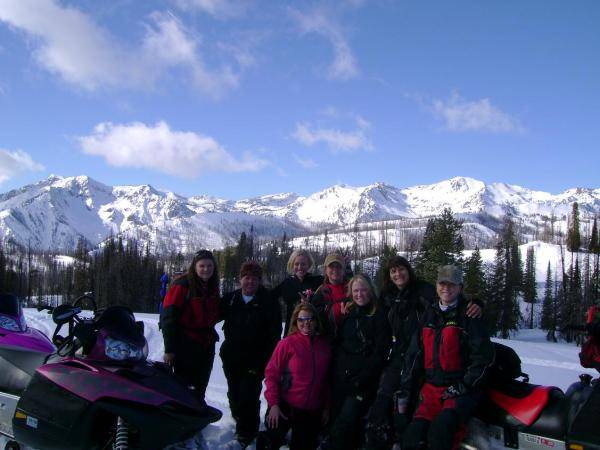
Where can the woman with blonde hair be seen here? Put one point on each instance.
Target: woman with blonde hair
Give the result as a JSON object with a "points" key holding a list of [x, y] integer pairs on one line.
{"points": [[299, 284], [297, 384], [360, 352]]}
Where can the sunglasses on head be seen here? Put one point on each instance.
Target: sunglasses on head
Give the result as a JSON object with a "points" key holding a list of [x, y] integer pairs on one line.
{"points": [[305, 319]]}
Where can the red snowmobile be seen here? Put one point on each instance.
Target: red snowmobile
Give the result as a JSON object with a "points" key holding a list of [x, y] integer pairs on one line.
{"points": [[517, 414]]}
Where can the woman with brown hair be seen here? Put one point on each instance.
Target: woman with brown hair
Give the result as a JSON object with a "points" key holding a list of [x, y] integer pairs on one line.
{"points": [[191, 311], [297, 384]]}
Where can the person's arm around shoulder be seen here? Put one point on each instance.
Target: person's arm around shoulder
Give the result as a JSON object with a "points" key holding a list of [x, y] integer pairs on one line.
{"points": [[481, 353]]}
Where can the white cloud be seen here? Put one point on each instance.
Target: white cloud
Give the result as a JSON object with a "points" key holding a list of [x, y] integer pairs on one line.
{"points": [[336, 140], [69, 43], [16, 162], [344, 65], [221, 9], [180, 153], [480, 115], [306, 163], [170, 43]]}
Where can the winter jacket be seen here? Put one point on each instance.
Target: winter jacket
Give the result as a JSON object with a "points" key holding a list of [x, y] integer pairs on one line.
{"points": [[189, 317], [289, 291], [328, 302], [450, 348], [405, 310], [251, 330], [298, 372], [361, 348]]}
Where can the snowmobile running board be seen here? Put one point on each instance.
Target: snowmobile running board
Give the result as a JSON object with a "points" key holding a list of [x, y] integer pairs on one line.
{"points": [[8, 405]]}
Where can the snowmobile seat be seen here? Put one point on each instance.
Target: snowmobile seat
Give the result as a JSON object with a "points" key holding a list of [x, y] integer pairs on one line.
{"points": [[527, 407]]}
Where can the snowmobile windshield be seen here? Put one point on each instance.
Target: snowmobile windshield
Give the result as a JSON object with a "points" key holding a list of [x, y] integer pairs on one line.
{"points": [[119, 323], [9, 305]]}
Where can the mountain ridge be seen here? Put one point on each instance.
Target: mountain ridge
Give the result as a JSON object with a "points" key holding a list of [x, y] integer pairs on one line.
{"points": [[56, 212]]}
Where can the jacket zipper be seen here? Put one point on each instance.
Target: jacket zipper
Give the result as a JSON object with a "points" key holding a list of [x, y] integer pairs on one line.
{"points": [[314, 370]]}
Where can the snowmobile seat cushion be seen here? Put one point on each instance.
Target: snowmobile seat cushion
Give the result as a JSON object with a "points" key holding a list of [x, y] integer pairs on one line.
{"points": [[525, 409]]}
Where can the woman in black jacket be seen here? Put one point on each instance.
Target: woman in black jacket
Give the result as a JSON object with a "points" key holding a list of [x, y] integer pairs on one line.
{"points": [[252, 328], [298, 284], [360, 351]]}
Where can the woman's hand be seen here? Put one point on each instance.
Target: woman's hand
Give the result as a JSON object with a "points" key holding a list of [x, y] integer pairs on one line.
{"points": [[344, 308], [274, 415], [473, 310], [169, 359]]}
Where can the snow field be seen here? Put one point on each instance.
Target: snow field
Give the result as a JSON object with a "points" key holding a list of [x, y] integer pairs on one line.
{"points": [[546, 363]]}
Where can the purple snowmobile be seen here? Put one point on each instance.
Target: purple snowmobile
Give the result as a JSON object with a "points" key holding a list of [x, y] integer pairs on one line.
{"points": [[97, 391]]}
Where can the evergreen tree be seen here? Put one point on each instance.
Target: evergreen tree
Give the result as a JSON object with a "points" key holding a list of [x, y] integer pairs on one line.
{"points": [[81, 270], [570, 301], [529, 284], [495, 290], [385, 255], [244, 250], [594, 248], [2, 270], [549, 312], [573, 234], [442, 244], [594, 245], [505, 283], [475, 286]]}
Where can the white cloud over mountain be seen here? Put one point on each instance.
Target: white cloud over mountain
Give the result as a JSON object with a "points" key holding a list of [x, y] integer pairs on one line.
{"points": [[179, 153], [16, 162], [460, 115], [334, 139]]}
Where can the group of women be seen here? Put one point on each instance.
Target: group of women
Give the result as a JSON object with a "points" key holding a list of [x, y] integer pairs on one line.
{"points": [[338, 378]]}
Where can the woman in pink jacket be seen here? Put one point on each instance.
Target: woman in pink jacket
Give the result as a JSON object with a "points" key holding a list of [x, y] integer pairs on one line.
{"points": [[297, 384]]}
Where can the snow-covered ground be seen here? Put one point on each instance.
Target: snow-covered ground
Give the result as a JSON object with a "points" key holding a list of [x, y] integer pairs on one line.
{"points": [[546, 363]]}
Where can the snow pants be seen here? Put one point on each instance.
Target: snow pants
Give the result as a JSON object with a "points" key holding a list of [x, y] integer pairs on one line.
{"points": [[348, 412], [243, 392], [305, 425], [194, 363], [438, 424]]}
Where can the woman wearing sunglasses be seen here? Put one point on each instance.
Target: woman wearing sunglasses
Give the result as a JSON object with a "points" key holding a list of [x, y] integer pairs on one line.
{"points": [[297, 387]]}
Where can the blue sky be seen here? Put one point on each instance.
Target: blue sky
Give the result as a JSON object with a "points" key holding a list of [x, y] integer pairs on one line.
{"points": [[242, 98]]}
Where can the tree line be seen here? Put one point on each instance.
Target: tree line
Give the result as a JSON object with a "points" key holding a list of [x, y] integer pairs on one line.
{"points": [[127, 272]]}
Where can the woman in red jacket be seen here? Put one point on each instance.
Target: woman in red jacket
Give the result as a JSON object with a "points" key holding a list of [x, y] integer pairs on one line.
{"points": [[190, 313], [297, 384], [330, 298]]}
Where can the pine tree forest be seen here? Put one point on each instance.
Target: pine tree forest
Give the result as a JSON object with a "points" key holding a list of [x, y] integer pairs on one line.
{"points": [[125, 271]]}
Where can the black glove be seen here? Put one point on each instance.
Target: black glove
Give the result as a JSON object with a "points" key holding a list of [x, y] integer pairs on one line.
{"points": [[455, 390]]}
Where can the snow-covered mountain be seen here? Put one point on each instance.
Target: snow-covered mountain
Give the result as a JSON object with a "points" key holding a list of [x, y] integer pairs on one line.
{"points": [[57, 212]]}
